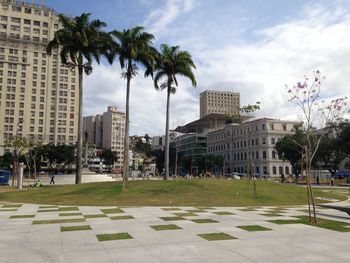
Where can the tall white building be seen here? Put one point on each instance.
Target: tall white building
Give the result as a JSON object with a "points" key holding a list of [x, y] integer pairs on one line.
{"points": [[39, 96], [254, 141], [220, 102], [107, 131]]}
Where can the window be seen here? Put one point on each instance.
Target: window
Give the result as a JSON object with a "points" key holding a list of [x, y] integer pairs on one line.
{"points": [[280, 169], [265, 170], [287, 170], [26, 21], [263, 140], [263, 127], [274, 170], [15, 20], [273, 155], [273, 140], [36, 23], [284, 127], [264, 155]]}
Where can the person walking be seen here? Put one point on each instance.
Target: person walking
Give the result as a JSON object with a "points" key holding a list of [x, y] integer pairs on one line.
{"points": [[52, 179]]}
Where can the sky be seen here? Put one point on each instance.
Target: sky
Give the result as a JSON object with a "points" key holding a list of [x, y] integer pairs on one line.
{"points": [[254, 47]]}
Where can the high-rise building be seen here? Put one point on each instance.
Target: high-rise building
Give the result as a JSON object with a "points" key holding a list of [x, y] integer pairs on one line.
{"points": [[107, 131], [39, 96], [221, 102]]}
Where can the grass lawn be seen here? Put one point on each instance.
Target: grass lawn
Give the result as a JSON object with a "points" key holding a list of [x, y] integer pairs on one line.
{"points": [[197, 193]]}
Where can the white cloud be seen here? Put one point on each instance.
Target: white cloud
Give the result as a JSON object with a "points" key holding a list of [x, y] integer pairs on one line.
{"points": [[159, 19], [258, 70]]}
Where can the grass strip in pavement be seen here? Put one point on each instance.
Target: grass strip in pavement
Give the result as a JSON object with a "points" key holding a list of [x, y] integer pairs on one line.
{"points": [[204, 221], [271, 214], [185, 214], [75, 228], [223, 213], [58, 221], [21, 216], [254, 228], [112, 211], [48, 206], [68, 208], [171, 209], [196, 211], [116, 236], [70, 214], [205, 208], [11, 206], [216, 236], [165, 227], [172, 218], [248, 209], [7, 210], [322, 223], [48, 210], [121, 217], [95, 215]]}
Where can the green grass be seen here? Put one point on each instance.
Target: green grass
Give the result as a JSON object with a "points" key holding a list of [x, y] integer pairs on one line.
{"points": [[204, 221], [95, 215], [48, 210], [8, 210], [58, 221], [172, 218], [70, 214], [185, 214], [166, 227], [254, 228], [248, 209], [11, 206], [116, 236], [171, 209], [201, 194], [322, 223], [47, 206], [216, 236], [271, 214], [75, 228], [121, 217], [223, 213], [112, 211], [196, 210], [21, 216], [69, 208]]}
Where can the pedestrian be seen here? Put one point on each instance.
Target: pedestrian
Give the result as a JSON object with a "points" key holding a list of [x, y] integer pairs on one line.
{"points": [[332, 181], [318, 180], [52, 179]]}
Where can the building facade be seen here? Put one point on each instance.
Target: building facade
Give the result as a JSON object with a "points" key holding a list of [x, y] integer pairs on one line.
{"points": [[107, 131], [39, 96], [251, 144], [220, 102]]}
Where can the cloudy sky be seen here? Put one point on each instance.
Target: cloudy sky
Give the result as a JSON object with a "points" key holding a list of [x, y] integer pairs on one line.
{"points": [[254, 47]]}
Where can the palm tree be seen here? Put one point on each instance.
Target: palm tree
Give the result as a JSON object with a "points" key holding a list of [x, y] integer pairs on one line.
{"points": [[133, 47], [80, 41], [171, 62]]}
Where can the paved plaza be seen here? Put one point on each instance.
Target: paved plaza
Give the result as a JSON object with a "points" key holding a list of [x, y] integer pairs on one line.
{"points": [[34, 233]]}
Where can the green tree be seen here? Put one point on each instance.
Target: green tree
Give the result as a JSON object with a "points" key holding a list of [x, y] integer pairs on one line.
{"points": [[143, 148], [172, 62], [158, 157], [288, 148], [134, 48], [6, 160], [80, 41], [109, 158]]}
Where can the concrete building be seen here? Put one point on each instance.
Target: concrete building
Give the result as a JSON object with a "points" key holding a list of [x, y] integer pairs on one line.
{"points": [[39, 96], [252, 141], [220, 102], [107, 131]]}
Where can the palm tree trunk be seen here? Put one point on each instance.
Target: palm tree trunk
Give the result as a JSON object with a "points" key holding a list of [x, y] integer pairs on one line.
{"points": [[126, 135], [80, 129], [166, 175]]}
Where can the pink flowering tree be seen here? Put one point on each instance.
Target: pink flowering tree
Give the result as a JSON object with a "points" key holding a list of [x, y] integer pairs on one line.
{"points": [[319, 118]]}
